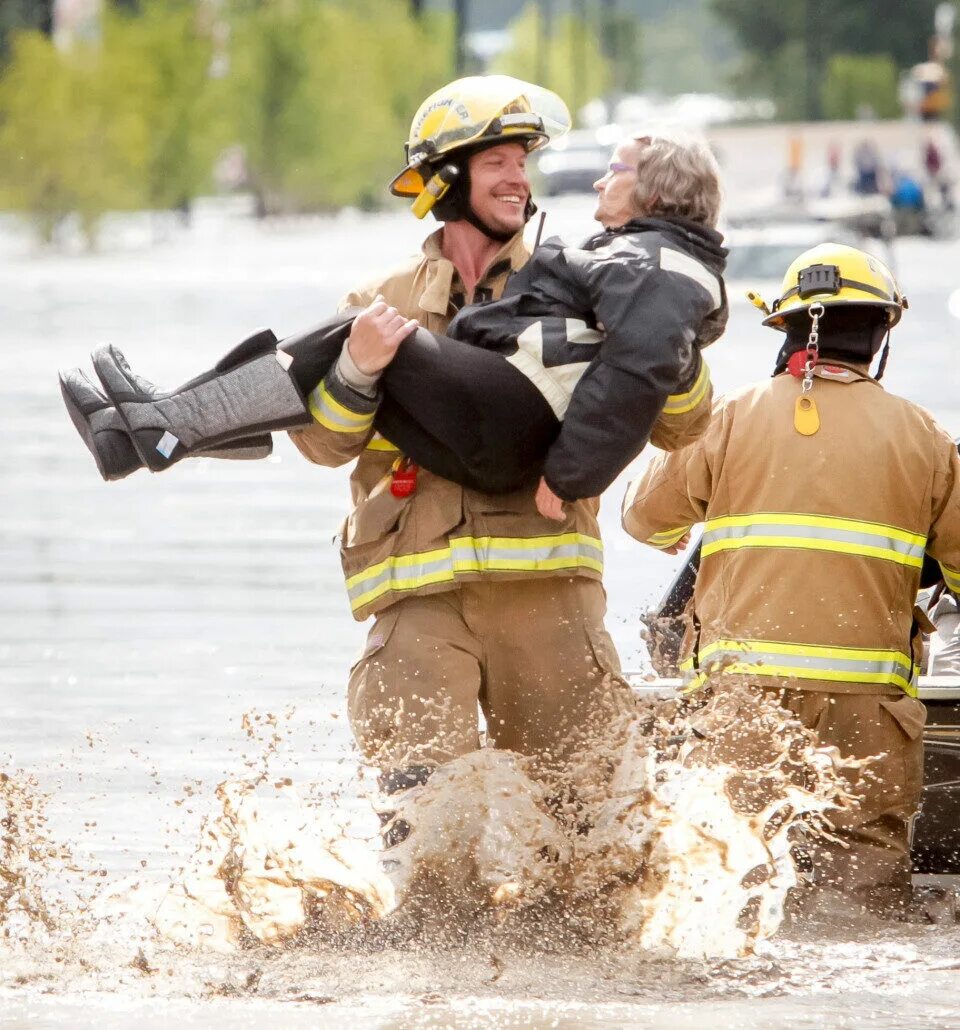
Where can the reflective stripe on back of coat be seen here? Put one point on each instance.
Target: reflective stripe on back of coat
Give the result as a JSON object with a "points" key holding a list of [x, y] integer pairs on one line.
{"points": [[816, 533]]}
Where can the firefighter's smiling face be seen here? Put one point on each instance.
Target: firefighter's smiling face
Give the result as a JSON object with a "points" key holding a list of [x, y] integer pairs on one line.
{"points": [[499, 188], [616, 191]]}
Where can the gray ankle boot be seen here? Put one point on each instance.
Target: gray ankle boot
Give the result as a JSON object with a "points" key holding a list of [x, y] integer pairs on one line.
{"points": [[105, 433], [249, 392]]}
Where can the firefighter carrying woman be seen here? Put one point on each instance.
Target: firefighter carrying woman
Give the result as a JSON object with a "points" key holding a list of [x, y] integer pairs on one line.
{"points": [[480, 454], [473, 541]]}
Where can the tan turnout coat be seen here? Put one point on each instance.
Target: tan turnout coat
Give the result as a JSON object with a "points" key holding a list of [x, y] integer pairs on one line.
{"points": [[444, 534], [812, 545]]}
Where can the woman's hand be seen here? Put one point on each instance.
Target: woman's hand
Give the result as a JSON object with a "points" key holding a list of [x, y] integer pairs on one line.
{"points": [[680, 545], [548, 504], [376, 334]]}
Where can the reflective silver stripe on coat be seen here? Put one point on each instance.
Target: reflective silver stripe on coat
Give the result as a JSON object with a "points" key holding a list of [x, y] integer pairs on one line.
{"points": [[676, 261], [566, 550], [465, 555], [843, 536], [329, 412]]}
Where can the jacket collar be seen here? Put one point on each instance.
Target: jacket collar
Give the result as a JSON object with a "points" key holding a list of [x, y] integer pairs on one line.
{"points": [[839, 371], [706, 242], [441, 272]]}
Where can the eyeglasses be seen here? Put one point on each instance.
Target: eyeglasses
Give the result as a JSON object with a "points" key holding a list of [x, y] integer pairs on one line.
{"points": [[620, 166]]}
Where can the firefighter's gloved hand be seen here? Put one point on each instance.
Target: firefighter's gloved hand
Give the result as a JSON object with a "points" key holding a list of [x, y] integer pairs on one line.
{"points": [[548, 504], [376, 334]]}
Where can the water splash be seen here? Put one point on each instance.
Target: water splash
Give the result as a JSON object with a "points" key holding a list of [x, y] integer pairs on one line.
{"points": [[268, 870], [28, 858], [480, 827], [694, 846], [688, 852]]}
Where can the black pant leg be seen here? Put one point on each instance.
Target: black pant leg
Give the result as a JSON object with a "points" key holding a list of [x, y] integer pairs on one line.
{"points": [[465, 413], [316, 349], [460, 411]]}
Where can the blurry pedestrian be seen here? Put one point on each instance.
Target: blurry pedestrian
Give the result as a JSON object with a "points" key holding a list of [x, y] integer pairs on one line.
{"points": [[868, 168], [934, 166], [832, 181], [908, 203], [793, 180]]}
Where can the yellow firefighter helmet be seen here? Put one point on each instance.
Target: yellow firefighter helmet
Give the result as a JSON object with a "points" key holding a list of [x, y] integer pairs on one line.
{"points": [[833, 274], [471, 112]]}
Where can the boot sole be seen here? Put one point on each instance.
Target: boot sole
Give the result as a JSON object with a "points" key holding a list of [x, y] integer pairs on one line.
{"points": [[81, 423]]}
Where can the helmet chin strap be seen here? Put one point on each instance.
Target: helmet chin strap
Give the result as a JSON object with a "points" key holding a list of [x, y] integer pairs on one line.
{"points": [[840, 345], [497, 235], [883, 357]]}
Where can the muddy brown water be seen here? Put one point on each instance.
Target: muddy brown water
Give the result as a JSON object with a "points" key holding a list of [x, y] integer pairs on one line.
{"points": [[139, 620]]}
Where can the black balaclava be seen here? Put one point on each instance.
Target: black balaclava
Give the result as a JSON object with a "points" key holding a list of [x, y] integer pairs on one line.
{"points": [[852, 334], [454, 205]]}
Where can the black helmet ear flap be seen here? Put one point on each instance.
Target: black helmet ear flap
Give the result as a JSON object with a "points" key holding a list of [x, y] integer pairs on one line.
{"points": [[436, 188], [452, 205]]}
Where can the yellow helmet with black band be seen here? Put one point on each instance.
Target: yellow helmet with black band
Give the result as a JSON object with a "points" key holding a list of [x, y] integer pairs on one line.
{"points": [[833, 274], [466, 115]]}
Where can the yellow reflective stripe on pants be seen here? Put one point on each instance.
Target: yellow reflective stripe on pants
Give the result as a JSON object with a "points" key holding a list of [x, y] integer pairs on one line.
{"points": [[681, 403], [816, 533], [668, 537], [951, 577], [802, 661], [329, 412], [465, 555]]}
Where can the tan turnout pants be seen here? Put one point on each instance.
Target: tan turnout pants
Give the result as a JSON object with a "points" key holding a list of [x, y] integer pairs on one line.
{"points": [[533, 653], [874, 869]]}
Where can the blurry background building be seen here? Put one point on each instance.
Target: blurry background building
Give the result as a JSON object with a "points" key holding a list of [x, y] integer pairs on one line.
{"points": [[113, 105]]}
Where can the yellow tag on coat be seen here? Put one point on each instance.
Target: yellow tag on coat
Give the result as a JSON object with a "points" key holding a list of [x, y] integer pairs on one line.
{"points": [[806, 418]]}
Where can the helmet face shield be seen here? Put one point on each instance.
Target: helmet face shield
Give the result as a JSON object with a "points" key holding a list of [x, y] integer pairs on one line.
{"points": [[479, 109]]}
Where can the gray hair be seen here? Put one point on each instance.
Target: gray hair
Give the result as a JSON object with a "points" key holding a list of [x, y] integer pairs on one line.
{"points": [[678, 175]]}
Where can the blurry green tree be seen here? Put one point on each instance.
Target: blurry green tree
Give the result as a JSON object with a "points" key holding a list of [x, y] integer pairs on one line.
{"points": [[688, 50], [71, 142], [319, 94], [789, 46], [163, 55], [322, 95], [855, 84], [124, 124], [16, 15], [563, 54]]}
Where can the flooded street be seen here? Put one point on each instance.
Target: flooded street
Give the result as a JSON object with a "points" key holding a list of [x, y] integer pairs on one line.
{"points": [[142, 619]]}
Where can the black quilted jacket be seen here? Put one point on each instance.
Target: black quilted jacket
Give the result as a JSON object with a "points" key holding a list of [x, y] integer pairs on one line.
{"points": [[607, 331]]}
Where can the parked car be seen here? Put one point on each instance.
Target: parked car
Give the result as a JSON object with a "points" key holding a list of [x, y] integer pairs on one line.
{"points": [[761, 252], [573, 163]]}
